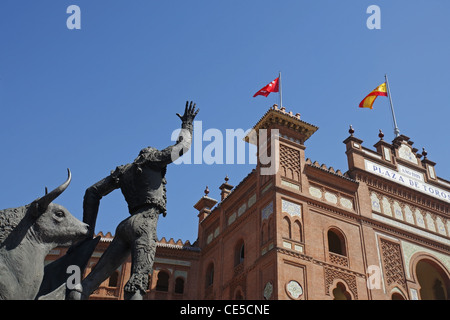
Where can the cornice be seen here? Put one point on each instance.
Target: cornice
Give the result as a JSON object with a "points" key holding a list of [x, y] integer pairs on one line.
{"points": [[402, 193]]}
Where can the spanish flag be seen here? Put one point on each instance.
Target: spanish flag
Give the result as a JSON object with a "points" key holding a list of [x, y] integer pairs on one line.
{"points": [[368, 101]]}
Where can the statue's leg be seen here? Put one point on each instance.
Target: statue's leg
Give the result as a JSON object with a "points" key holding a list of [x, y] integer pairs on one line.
{"points": [[142, 253], [114, 256]]}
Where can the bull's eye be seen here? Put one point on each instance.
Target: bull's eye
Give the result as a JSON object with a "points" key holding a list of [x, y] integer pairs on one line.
{"points": [[59, 215]]}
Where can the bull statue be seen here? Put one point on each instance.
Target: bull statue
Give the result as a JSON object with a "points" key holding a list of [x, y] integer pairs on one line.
{"points": [[27, 234]]}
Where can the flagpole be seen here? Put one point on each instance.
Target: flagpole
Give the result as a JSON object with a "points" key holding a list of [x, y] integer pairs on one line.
{"points": [[279, 84], [396, 130]]}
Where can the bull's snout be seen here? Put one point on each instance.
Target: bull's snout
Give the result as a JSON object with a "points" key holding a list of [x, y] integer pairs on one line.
{"points": [[84, 229], [80, 231]]}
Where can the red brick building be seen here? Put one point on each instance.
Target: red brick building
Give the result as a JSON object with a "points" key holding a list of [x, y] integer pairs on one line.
{"points": [[381, 230]]}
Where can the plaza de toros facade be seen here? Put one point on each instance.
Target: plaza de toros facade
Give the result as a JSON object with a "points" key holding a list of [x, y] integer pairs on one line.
{"points": [[380, 230]]}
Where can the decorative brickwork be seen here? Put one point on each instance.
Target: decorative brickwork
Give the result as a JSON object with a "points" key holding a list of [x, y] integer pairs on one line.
{"points": [[331, 274], [403, 211], [290, 162], [338, 259], [393, 265], [238, 283]]}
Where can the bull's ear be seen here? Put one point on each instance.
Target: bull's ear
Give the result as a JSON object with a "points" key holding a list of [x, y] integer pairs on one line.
{"points": [[42, 203]]}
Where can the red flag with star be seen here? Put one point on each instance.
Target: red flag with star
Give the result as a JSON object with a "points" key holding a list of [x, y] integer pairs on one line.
{"points": [[271, 87]]}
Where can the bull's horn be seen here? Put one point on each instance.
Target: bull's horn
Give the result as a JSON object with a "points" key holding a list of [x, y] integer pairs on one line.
{"points": [[52, 195]]}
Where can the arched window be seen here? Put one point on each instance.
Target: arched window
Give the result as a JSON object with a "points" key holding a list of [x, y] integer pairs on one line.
{"points": [[336, 242], [239, 253], [179, 285], [297, 231], [434, 283], [113, 279], [264, 233], [286, 228], [269, 229], [210, 275], [163, 281]]}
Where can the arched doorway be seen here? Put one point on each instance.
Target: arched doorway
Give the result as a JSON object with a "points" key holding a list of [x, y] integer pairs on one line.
{"points": [[397, 296], [434, 282], [340, 292]]}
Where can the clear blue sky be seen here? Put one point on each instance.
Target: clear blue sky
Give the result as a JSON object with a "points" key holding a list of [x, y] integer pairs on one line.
{"points": [[90, 99]]}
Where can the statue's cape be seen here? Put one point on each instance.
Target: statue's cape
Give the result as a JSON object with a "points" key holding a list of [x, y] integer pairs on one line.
{"points": [[53, 286]]}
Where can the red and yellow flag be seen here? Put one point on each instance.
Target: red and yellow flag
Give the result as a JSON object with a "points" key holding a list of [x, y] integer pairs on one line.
{"points": [[368, 101]]}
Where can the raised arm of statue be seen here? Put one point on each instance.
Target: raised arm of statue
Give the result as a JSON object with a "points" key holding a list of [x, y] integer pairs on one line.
{"points": [[92, 197], [172, 153]]}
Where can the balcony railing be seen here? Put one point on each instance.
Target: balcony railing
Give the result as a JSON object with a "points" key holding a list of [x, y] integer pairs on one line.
{"points": [[238, 269], [338, 259]]}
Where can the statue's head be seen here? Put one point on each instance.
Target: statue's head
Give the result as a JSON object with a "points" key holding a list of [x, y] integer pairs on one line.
{"points": [[147, 150], [144, 153]]}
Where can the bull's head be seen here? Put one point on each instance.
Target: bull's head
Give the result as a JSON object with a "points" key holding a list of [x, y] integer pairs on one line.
{"points": [[54, 223]]}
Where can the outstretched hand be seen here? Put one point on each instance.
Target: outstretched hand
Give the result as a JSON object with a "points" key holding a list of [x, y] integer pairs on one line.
{"points": [[189, 113]]}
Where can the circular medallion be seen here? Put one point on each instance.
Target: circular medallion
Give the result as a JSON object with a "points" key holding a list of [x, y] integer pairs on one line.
{"points": [[294, 289], [268, 289]]}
